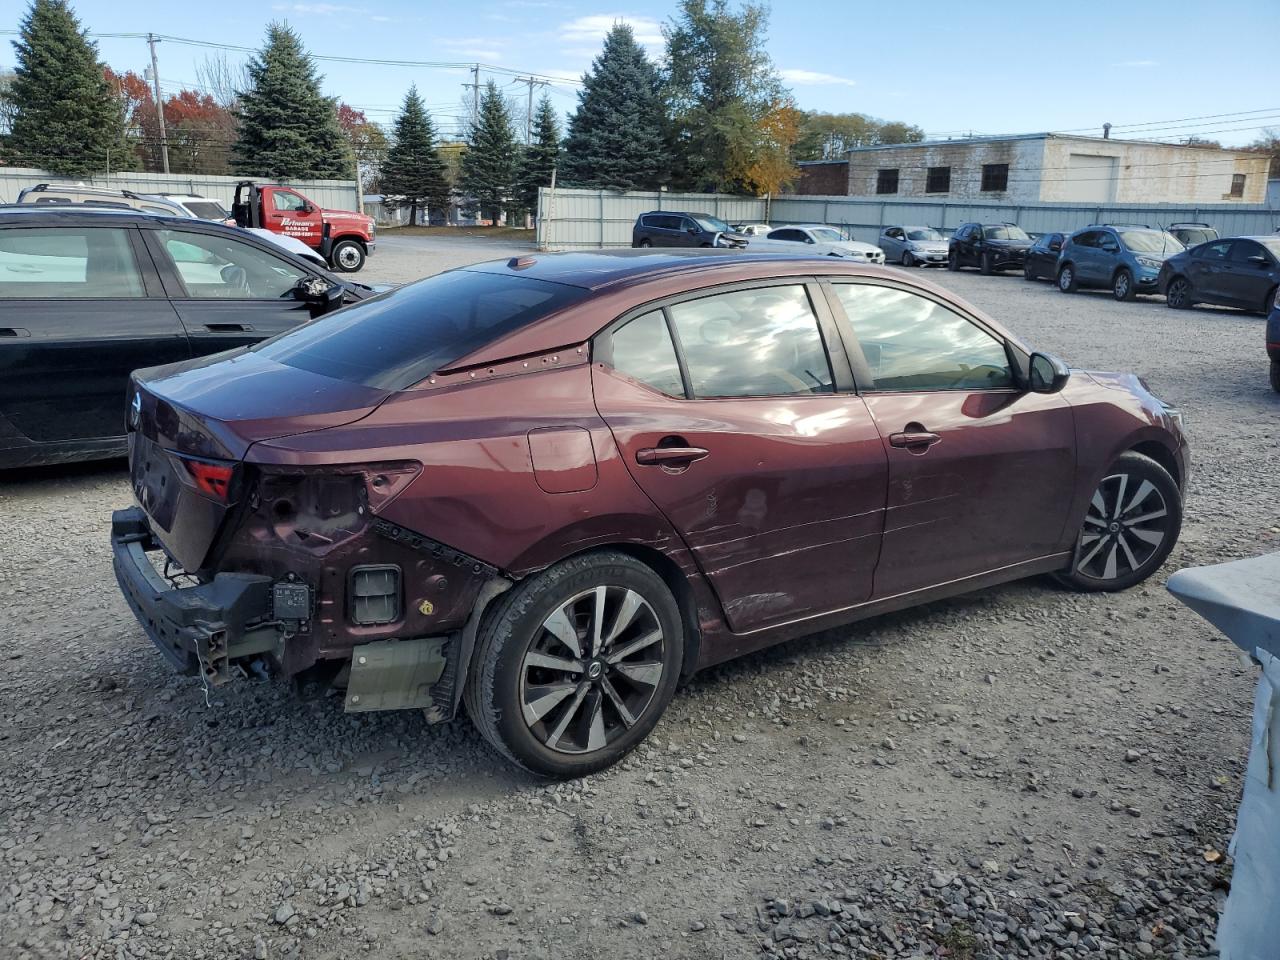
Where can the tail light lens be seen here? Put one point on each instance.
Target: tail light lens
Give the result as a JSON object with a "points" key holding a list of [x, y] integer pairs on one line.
{"points": [[212, 477]]}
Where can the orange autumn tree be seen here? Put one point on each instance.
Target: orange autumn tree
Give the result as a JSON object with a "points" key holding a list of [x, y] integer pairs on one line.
{"points": [[767, 168]]}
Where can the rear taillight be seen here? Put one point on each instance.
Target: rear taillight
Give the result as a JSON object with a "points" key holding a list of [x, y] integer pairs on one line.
{"points": [[212, 477]]}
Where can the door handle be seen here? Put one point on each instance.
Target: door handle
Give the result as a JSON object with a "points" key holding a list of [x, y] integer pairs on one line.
{"points": [[228, 327], [650, 456], [14, 332], [914, 438]]}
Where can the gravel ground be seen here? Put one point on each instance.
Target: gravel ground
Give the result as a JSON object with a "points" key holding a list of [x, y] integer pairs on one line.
{"points": [[1018, 772]]}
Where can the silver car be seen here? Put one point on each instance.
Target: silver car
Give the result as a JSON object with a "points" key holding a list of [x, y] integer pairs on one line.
{"points": [[913, 246]]}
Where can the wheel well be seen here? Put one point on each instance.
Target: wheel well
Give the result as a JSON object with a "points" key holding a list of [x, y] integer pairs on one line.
{"points": [[1161, 455], [678, 584], [354, 237]]}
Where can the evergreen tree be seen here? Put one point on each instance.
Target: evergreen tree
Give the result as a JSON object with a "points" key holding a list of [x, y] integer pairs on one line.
{"points": [[288, 128], [65, 118], [413, 169], [615, 136], [540, 157], [492, 158]]}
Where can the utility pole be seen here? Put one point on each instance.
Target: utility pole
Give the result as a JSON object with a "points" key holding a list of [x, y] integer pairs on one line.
{"points": [[528, 113], [155, 81], [475, 93]]}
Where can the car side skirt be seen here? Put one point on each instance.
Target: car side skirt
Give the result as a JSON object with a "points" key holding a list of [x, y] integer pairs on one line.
{"points": [[730, 645]]}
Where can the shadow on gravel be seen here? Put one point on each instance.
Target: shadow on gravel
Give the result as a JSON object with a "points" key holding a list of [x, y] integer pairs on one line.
{"points": [[31, 477]]}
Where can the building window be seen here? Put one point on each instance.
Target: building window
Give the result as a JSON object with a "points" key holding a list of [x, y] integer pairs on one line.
{"points": [[995, 177], [887, 181], [1237, 185], [938, 180]]}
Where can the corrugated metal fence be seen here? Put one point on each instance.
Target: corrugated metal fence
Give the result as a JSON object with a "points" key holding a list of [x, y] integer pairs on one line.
{"points": [[336, 194], [586, 219]]}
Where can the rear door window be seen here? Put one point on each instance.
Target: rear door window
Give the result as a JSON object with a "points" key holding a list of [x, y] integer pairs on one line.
{"points": [[74, 263], [762, 342], [1216, 251], [642, 349], [401, 337]]}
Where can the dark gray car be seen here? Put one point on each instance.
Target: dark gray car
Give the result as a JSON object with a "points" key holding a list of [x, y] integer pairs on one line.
{"points": [[665, 228], [1236, 272]]}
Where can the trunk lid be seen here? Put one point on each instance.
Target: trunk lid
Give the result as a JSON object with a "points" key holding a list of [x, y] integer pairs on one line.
{"points": [[212, 410]]}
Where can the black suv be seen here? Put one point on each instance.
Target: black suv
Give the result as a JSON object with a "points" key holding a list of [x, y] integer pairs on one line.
{"points": [[664, 228], [990, 247], [88, 295]]}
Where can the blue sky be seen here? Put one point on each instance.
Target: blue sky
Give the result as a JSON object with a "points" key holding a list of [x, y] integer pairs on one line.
{"points": [[949, 67]]}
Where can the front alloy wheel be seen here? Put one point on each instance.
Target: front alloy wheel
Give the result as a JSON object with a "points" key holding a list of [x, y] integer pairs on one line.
{"points": [[1122, 287], [575, 665], [1178, 296], [1132, 523], [1067, 279]]}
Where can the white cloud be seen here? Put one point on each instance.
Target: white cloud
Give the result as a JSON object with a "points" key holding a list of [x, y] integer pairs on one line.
{"points": [[318, 9], [592, 29], [811, 78], [1137, 63]]}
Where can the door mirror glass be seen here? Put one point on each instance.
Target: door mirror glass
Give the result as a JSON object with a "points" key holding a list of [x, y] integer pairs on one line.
{"points": [[1047, 374], [1258, 260], [692, 229], [1055, 246]]}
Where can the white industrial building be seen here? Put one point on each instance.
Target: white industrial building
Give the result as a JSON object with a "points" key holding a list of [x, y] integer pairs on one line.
{"points": [[1045, 167]]}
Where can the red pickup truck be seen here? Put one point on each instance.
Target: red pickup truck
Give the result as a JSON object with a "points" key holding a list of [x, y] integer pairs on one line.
{"points": [[342, 237]]}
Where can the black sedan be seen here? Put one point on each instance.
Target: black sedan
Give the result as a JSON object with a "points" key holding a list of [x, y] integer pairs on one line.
{"points": [[1042, 258], [89, 295], [1235, 272], [991, 247]]}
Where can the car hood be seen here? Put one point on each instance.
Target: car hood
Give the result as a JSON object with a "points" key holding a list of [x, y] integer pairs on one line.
{"points": [[854, 245], [932, 246], [349, 216]]}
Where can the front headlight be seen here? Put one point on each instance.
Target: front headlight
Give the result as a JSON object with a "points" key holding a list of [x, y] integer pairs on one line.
{"points": [[1148, 263]]}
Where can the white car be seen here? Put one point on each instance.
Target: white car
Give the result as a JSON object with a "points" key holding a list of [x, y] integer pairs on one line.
{"points": [[818, 240], [196, 206], [752, 229]]}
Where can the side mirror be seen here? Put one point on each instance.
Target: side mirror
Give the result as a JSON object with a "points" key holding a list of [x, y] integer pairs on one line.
{"points": [[320, 294], [1258, 260], [1055, 247], [308, 208], [1048, 374], [692, 230]]}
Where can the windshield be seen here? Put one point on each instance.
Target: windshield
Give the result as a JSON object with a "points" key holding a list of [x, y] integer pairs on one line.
{"points": [[713, 224], [1005, 233], [206, 209], [923, 233], [827, 234], [1150, 241], [401, 337]]}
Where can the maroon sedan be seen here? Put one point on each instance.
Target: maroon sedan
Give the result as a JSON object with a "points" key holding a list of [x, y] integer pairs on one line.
{"points": [[557, 485]]}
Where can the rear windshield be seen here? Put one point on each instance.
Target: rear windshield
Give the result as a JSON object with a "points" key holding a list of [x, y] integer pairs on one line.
{"points": [[206, 209], [401, 337]]}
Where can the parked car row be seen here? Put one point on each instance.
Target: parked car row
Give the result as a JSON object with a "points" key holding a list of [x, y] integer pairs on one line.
{"points": [[666, 228]]}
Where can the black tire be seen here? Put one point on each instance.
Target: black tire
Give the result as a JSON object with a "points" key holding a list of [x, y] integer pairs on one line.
{"points": [[985, 265], [908, 259], [645, 243], [1067, 278], [1028, 272], [498, 698], [953, 260], [1268, 301], [1275, 375], [1122, 285], [1105, 559], [1177, 294], [347, 256]]}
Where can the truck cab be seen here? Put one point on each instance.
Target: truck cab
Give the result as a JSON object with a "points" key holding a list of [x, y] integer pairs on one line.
{"points": [[344, 238]]}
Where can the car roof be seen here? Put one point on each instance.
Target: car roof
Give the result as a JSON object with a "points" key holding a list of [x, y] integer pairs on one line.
{"points": [[76, 213], [597, 270]]}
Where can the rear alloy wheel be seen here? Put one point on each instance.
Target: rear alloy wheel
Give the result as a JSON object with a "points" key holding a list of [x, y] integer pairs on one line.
{"points": [[1178, 294], [1122, 287], [986, 266], [575, 665], [347, 256], [1132, 523], [1067, 279], [908, 259]]}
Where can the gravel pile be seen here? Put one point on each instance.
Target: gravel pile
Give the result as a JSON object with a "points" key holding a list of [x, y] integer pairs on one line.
{"points": [[1019, 772]]}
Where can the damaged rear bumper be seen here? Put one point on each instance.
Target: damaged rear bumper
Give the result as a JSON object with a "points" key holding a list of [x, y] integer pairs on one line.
{"points": [[201, 629]]}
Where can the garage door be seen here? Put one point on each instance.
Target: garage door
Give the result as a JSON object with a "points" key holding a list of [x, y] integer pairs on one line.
{"points": [[1090, 178]]}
